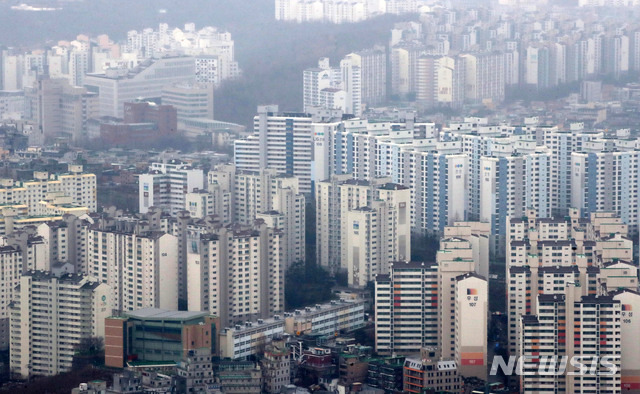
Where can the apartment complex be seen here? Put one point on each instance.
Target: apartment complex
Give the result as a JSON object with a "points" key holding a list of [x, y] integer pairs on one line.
{"points": [[50, 317], [473, 170], [361, 226], [282, 141], [360, 81], [64, 190], [166, 185], [141, 269], [547, 255], [236, 273], [572, 325], [440, 305]]}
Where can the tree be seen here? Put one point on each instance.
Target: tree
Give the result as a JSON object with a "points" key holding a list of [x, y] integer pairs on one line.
{"points": [[424, 247], [307, 284], [89, 352]]}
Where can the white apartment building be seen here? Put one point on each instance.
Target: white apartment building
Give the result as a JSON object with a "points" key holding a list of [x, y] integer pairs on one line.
{"points": [[454, 259], [511, 184], [140, 269], [317, 79], [364, 79], [339, 11], [355, 218], [263, 195], [288, 213], [328, 222], [249, 338], [572, 325], [439, 183], [236, 273], [376, 233], [199, 203], [252, 194], [406, 308], [562, 143], [50, 316], [604, 177], [439, 81], [11, 266], [332, 318], [221, 186], [477, 235], [76, 187], [544, 255], [280, 141], [166, 186], [471, 318]]}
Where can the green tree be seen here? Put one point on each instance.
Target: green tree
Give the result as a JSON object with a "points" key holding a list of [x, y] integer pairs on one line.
{"points": [[307, 284]]}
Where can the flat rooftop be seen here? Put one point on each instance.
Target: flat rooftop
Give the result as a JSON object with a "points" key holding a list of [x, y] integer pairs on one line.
{"points": [[164, 314]]}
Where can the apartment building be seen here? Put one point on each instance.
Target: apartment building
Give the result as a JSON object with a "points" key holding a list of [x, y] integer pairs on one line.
{"points": [[331, 318], [11, 266], [221, 186], [250, 338], [376, 234], [441, 305], [281, 141], [60, 109], [361, 226], [49, 318], [166, 185], [236, 273], [406, 308], [629, 375], [471, 317], [572, 325], [545, 255], [510, 185], [477, 235], [141, 269], [604, 177], [562, 143], [72, 189]]}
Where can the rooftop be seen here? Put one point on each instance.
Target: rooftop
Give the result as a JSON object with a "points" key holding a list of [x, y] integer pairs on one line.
{"points": [[164, 314]]}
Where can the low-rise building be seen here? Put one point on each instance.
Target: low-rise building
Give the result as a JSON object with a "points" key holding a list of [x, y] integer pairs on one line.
{"points": [[428, 373], [326, 319], [250, 338], [239, 377], [276, 367], [152, 334]]}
